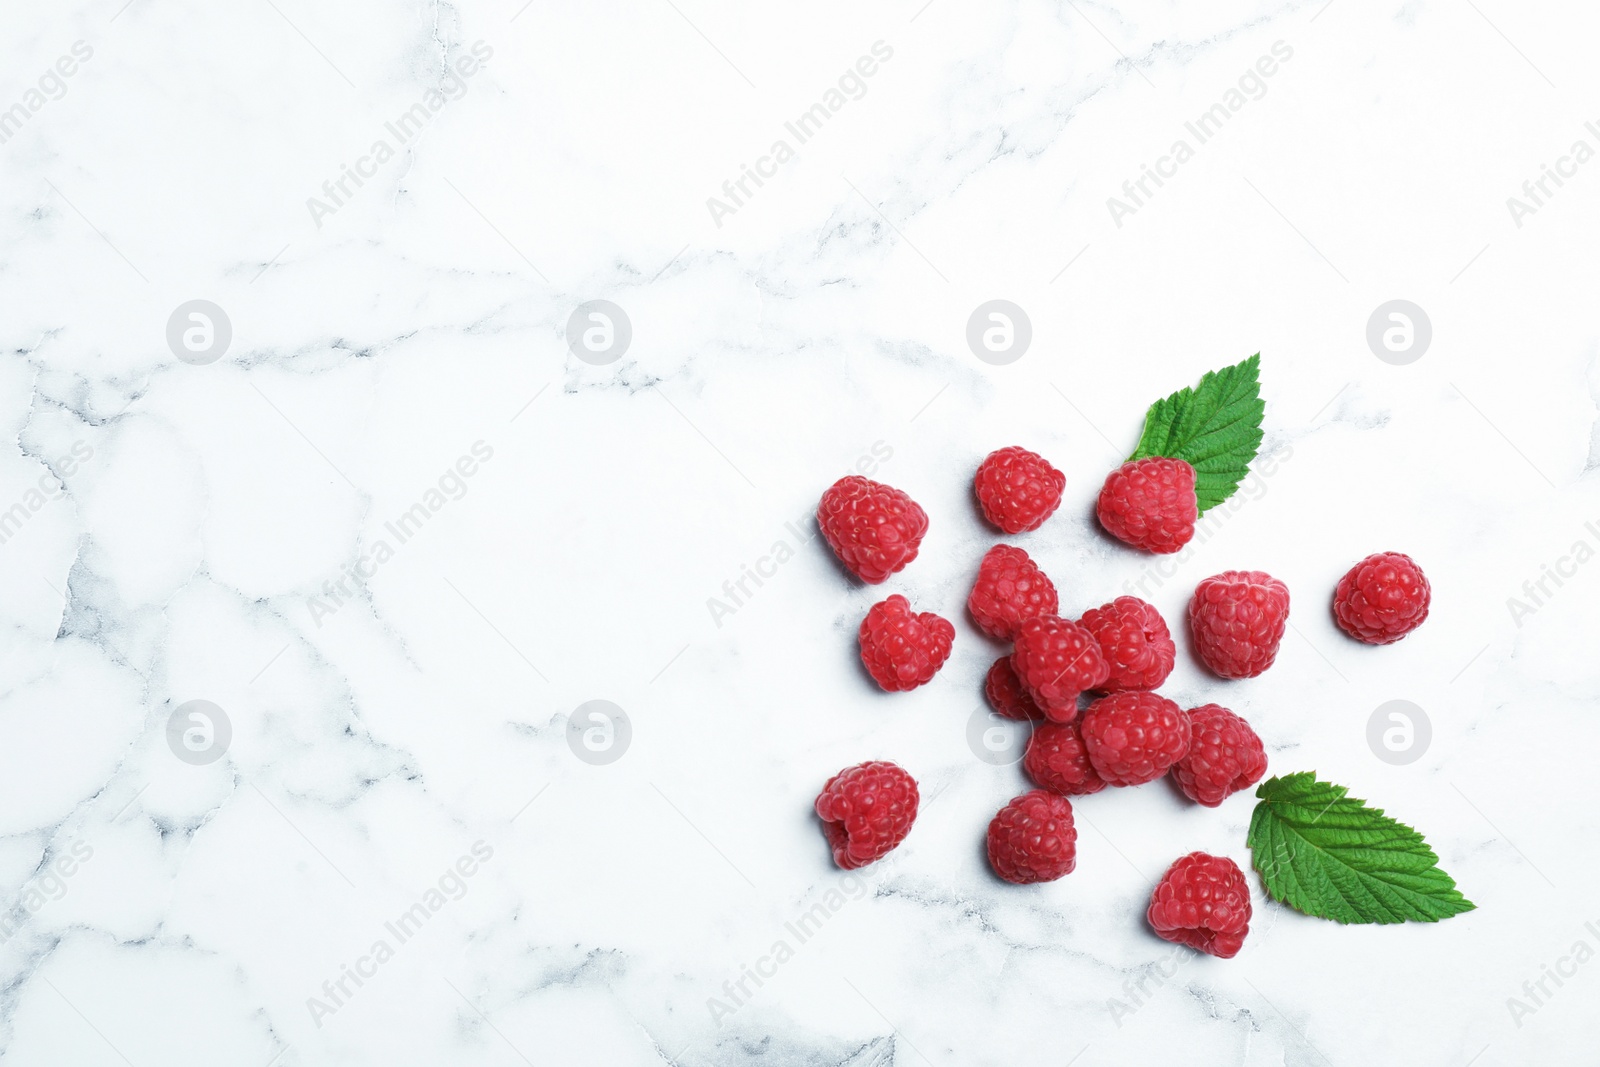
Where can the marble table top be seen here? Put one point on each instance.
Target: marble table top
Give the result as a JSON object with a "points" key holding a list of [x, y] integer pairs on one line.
{"points": [[417, 646]]}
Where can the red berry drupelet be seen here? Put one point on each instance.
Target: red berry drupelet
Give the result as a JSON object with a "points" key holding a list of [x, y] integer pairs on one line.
{"points": [[1135, 737], [1018, 489], [1203, 902], [1135, 641], [1238, 618], [1032, 839], [867, 810], [1150, 504], [1057, 760], [1382, 598], [901, 649], [1006, 694], [1010, 589], [874, 529], [1224, 756], [1057, 659]]}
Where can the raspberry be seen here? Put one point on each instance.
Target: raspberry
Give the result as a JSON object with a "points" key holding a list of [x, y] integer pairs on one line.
{"points": [[1134, 639], [1006, 693], [1134, 738], [1238, 619], [1032, 839], [874, 528], [1203, 902], [1009, 589], [1057, 659], [1224, 756], [1150, 504], [901, 649], [867, 810], [1382, 598], [1018, 489], [1057, 760]]}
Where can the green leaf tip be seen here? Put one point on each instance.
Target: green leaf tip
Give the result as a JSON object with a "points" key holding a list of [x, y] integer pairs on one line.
{"points": [[1215, 427]]}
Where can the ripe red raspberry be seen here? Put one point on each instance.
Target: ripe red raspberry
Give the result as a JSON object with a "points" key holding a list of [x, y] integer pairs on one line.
{"points": [[874, 528], [1150, 504], [1057, 659], [902, 649], [1238, 618], [1032, 839], [1009, 589], [867, 810], [1203, 902], [1057, 760], [1006, 694], [1135, 737], [1382, 598], [1018, 489], [1224, 756], [1135, 641]]}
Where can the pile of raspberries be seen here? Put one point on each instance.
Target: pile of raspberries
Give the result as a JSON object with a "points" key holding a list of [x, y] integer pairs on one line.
{"points": [[1117, 654]]}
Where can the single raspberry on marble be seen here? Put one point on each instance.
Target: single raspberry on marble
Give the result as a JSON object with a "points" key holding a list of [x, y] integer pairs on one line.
{"points": [[1058, 761], [1203, 902], [1010, 588], [1006, 694], [1018, 489], [1238, 618], [1224, 756], [1382, 598], [1032, 839], [1057, 659], [1150, 504], [1134, 737], [874, 529], [902, 649], [1135, 641], [867, 810]]}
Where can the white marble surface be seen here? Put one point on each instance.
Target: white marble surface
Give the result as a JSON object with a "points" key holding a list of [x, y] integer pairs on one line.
{"points": [[377, 739]]}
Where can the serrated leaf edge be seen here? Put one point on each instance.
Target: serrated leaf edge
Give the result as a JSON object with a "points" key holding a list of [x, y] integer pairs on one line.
{"points": [[1182, 396], [1450, 895]]}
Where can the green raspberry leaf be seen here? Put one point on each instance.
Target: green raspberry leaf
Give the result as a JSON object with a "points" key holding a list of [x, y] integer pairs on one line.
{"points": [[1330, 856], [1214, 427]]}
